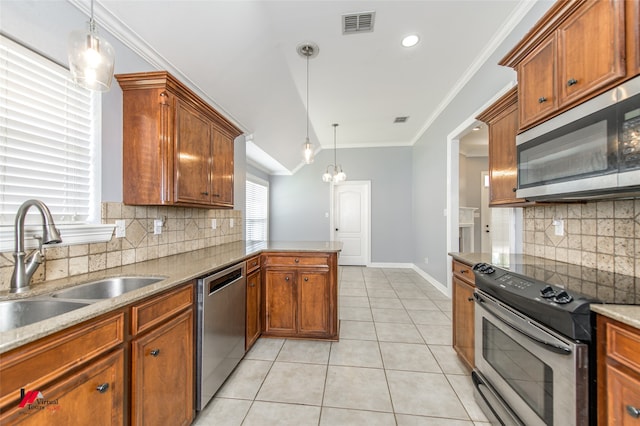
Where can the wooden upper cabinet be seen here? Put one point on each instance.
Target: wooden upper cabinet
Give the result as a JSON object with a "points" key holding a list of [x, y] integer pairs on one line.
{"points": [[502, 119], [177, 150], [591, 49], [576, 51], [537, 83]]}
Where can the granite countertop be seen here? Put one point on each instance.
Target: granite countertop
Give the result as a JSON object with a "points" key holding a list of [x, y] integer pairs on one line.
{"points": [[176, 270], [620, 292]]}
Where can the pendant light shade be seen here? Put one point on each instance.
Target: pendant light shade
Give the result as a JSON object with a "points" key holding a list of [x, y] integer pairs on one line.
{"points": [[308, 51], [91, 58], [334, 172]]}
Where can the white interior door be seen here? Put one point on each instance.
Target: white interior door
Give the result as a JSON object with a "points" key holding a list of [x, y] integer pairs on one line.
{"points": [[351, 221], [485, 214]]}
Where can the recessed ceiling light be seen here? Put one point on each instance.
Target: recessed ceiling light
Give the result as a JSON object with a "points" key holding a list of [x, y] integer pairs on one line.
{"points": [[475, 129], [410, 40]]}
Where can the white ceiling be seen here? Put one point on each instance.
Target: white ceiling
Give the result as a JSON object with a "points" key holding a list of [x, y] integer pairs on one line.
{"points": [[241, 55]]}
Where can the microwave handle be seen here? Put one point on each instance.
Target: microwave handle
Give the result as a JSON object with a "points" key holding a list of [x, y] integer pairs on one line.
{"points": [[553, 347]]}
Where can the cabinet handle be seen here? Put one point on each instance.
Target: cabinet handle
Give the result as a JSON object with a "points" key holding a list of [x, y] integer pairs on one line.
{"points": [[216, 195], [155, 352], [470, 299], [633, 411], [572, 81], [286, 278], [306, 278], [542, 100], [103, 387], [204, 193]]}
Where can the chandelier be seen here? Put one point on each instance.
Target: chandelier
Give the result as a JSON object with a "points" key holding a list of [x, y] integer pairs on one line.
{"points": [[334, 171]]}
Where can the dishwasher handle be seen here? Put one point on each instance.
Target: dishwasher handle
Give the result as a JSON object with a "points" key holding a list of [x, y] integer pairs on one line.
{"points": [[219, 281]]}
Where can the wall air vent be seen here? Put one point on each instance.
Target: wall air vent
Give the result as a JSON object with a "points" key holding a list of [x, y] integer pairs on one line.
{"points": [[401, 119], [361, 22]]}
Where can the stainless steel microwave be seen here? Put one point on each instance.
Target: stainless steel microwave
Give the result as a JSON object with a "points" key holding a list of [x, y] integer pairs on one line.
{"points": [[590, 151]]}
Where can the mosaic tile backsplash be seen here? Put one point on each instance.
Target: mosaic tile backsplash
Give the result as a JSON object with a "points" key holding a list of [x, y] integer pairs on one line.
{"points": [[602, 234], [185, 229]]}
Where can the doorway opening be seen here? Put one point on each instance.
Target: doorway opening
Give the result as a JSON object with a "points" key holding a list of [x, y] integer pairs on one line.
{"points": [[350, 221]]}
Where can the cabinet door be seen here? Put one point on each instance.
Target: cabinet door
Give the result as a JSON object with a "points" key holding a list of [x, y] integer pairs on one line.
{"points": [[503, 160], [591, 49], [253, 309], [623, 394], [463, 321], [313, 302], [280, 302], [162, 374], [192, 156], [222, 170], [91, 396], [537, 84]]}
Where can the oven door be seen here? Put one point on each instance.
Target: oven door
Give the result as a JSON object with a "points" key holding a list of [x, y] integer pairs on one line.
{"points": [[541, 376]]}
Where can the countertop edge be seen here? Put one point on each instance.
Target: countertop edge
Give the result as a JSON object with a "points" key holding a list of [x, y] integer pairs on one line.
{"points": [[626, 314]]}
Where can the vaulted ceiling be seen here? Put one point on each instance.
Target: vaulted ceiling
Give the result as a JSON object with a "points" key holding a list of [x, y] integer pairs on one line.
{"points": [[241, 55]]}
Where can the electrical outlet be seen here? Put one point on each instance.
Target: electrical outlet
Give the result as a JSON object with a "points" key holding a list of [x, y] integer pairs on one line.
{"points": [[230, 223], [121, 230], [157, 226], [559, 226], [214, 223]]}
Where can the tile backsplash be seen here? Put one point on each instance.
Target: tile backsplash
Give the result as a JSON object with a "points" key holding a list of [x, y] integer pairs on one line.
{"points": [[185, 229], [599, 234]]}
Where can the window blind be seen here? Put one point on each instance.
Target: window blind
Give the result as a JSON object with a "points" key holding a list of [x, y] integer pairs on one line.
{"points": [[257, 211], [48, 146]]}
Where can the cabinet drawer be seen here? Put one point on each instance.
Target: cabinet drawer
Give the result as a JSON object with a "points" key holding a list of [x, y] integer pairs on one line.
{"points": [[253, 263], [34, 365], [156, 310], [623, 394], [296, 260], [623, 345], [464, 272]]}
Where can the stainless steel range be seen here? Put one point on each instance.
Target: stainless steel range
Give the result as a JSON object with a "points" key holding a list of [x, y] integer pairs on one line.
{"points": [[532, 350]]}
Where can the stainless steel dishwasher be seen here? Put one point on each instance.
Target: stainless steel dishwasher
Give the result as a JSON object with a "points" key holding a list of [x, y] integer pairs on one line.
{"points": [[220, 330]]}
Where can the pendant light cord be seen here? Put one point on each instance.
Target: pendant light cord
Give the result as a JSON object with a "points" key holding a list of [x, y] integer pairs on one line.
{"points": [[308, 53], [335, 149]]}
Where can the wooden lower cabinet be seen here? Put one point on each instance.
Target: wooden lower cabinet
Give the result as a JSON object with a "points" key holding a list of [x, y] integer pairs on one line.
{"points": [[162, 374], [463, 323], [313, 301], [253, 326], [280, 303]]}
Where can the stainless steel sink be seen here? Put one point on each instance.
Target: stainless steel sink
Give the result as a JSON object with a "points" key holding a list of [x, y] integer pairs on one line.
{"points": [[107, 288], [18, 313]]}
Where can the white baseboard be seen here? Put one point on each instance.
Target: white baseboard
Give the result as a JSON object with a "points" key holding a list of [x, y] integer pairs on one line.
{"points": [[391, 265], [437, 284]]}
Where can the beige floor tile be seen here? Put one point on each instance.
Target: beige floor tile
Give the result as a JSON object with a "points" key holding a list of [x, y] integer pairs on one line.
{"points": [[406, 420], [357, 330], [358, 292], [355, 314], [357, 388], [354, 301], [436, 334], [356, 353], [391, 315], [463, 386], [223, 412], [385, 302], [429, 317], [419, 304], [295, 383], [246, 380], [409, 357], [308, 351], [278, 414], [411, 294], [424, 394], [381, 293], [265, 349], [448, 359], [341, 416], [379, 285], [444, 305], [352, 284], [398, 332]]}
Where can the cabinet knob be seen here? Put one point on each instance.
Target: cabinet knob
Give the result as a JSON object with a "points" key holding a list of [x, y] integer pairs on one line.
{"points": [[216, 195], [204, 193], [306, 278], [297, 260], [470, 299], [633, 411], [514, 189], [103, 387], [286, 278], [155, 352], [464, 271], [572, 81], [252, 285], [542, 100]]}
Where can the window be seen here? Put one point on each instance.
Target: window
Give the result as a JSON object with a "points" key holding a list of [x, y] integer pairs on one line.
{"points": [[257, 222], [49, 138]]}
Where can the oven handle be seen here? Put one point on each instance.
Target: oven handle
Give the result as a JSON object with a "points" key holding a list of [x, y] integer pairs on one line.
{"points": [[559, 349]]}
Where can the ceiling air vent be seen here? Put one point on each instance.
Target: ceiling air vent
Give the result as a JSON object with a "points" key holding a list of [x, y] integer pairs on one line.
{"points": [[401, 119], [358, 22]]}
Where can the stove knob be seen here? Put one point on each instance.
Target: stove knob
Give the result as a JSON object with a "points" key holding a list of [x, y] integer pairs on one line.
{"points": [[547, 292], [563, 298], [479, 267], [489, 270]]}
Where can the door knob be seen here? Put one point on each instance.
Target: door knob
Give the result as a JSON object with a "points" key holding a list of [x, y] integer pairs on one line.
{"points": [[336, 229]]}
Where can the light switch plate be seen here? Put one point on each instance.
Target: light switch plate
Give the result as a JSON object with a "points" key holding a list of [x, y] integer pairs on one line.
{"points": [[157, 226], [121, 230], [214, 223], [230, 223]]}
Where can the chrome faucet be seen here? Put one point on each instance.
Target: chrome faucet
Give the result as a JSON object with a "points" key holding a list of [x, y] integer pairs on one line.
{"points": [[26, 265]]}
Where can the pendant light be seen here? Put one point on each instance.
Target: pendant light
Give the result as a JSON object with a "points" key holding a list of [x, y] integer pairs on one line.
{"points": [[334, 171], [91, 58], [308, 51]]}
